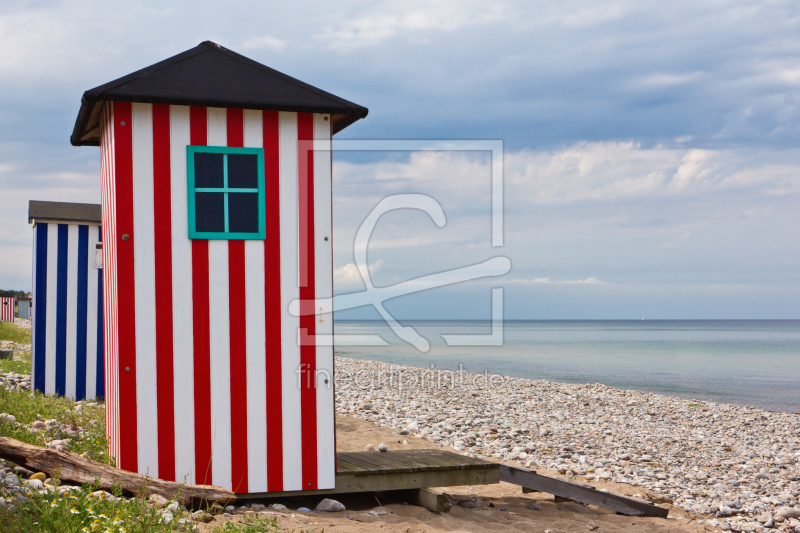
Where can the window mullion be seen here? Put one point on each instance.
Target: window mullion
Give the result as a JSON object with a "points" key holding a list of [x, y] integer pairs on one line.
{"points": [[225, 185]]}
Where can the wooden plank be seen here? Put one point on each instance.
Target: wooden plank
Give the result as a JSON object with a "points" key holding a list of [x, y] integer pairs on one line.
{"points": [[386, 460], [347, 482], [344, 466], [580, 493], [368, 467], [442, 459], [430, 500]]}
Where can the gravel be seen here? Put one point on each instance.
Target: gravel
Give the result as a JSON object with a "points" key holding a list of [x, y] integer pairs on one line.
{"points": [[737, 465]]}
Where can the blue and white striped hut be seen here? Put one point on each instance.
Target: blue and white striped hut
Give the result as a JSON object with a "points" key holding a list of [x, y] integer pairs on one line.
{"points": [[67, 337]]}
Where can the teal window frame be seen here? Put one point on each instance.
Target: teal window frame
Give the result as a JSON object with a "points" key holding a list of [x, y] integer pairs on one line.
{"points": [[191, 190]]}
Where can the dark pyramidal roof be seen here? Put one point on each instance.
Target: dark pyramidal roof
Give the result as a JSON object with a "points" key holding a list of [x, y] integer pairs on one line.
{"points": [[211, 76], [63, 212]]}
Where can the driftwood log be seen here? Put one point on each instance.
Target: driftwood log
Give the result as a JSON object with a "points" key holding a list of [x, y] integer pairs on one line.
{"points": [[74, 468]]}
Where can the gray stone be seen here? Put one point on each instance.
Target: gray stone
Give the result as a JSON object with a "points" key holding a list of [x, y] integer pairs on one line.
{"points": [[330, 506], [304, 509], [787, 512], [534, 507], [278, 507]]}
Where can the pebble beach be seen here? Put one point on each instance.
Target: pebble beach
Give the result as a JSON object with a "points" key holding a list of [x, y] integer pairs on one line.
{"points": [[736, 468]]}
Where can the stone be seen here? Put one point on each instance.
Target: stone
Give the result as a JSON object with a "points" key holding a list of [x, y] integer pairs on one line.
{"points": [[278, 507], [369, 448], [34, 483], [6, 354], [382, 447], [304, 509], [22, 471], [7, 418], [330, 506], [534, 507], [469, 504], [38, 424], [159, 500], [258, 507], [787, 512], [41, 476]]}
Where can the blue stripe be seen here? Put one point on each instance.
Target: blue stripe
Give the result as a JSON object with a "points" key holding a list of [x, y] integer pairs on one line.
{"points": [[40, 317], [61, 310], [101, 368], [82, 318]]}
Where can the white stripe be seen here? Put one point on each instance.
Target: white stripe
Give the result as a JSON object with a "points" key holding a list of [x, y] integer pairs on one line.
{"points": [[182, 316], [220, 333], [145, 281], [255, 337], [220, 363], [91, 318], [52, 302], [290, 351], [72, 311], [323, 280]]}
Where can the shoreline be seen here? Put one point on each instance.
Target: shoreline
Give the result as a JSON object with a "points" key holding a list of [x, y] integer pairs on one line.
{"points": [[695, 396], [732, 464]]}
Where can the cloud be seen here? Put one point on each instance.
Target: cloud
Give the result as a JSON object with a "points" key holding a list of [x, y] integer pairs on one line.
{"points": [[548, 281], [264, 41], [410, 19], [347, 276]]}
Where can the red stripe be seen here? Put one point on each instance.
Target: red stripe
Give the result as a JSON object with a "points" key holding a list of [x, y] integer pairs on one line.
{"points": [[308, 355], [198, 134], [162, 225], [123, 164], [272, 301], [238, 335]]}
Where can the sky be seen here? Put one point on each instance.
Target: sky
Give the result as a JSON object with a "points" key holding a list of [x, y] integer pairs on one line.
{"points": [[651, 160]]}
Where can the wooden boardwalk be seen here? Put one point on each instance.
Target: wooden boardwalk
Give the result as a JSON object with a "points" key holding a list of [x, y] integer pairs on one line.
{"points": [[401, 470]]}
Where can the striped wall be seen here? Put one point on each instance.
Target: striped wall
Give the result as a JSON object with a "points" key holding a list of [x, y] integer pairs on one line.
{"points": [[210, 379], [24, 309], [7, 308], [67, 336]]}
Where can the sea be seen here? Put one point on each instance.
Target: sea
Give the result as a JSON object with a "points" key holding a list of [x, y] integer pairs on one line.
{"points": [[744, 362]]}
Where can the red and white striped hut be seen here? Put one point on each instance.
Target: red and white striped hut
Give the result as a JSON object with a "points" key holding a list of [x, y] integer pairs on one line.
{"points": [[7, 304], [216, 215]]}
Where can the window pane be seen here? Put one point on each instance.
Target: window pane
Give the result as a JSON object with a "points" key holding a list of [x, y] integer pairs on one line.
{"points": [[243, 212], [208, 170], [242, 171], [209, 211]]}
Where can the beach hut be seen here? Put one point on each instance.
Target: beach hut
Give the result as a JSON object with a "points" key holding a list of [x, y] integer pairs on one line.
{"points": [[216, 198], [24, 308], [67, 328], [7, 304]]}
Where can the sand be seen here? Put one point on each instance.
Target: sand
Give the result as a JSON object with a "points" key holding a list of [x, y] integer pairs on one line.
{"points": [[502, 506]]}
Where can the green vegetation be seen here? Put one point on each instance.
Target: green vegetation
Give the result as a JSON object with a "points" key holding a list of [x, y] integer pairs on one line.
{"points": [[18, 367], [81, 511], [8, 294], [12, 332], [250, 524], [87, 422]]}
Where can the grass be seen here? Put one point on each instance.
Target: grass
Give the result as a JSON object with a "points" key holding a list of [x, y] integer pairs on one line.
{"points": [[78, 511], [12, 332], [87, 422], [22, 358], [250, 524]]}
